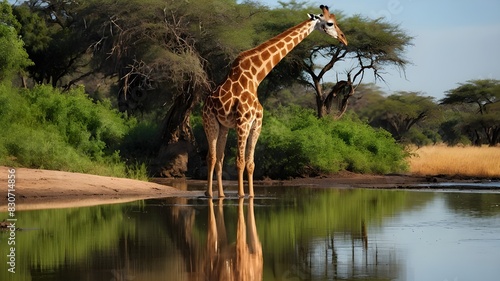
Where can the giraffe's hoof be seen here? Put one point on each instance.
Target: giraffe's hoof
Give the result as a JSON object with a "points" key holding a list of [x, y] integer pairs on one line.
{"points": [[221, 195], [241, 195], [208, 195]]}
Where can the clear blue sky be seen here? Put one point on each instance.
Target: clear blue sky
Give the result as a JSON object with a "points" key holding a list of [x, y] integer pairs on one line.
{"points": [[454, 41]]}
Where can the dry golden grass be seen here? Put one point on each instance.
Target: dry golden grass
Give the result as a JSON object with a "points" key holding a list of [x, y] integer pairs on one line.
{"points": [[464, 161]]}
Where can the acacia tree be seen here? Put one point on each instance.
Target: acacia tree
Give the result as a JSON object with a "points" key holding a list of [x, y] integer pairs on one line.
{"points": [[399, 112], [151, 51], [168, 53], [480, 120], [373, 45]]}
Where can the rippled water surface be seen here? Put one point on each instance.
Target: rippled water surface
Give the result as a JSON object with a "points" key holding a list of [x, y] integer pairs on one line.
{"points": [[285, 233]]}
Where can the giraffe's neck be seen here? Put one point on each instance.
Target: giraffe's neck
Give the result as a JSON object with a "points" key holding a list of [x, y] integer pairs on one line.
{"points": [[256, 63]]}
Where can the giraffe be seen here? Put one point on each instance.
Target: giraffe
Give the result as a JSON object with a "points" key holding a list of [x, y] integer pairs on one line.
{"points": [[234, 103]]}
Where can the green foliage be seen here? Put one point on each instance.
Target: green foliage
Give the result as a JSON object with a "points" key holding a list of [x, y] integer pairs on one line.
{"points": [[43, 128], [295, 143], [142, 141], [13, 57]]}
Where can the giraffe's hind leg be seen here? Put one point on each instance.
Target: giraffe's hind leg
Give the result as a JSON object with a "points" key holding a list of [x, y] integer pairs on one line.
{"points": [[221, 145], [211, 126]]}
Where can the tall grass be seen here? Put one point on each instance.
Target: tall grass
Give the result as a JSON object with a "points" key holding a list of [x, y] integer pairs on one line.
{"points": [[470, 161]]}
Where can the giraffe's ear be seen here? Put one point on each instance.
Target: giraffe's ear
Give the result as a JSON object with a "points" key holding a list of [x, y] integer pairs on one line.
{"points": [[311, 16], [326, 12]]}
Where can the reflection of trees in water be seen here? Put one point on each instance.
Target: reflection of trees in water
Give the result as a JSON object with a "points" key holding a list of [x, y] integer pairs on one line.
{"points": [[310, 235], [473, 204], [340, 255], [318, 235], [62, 243], [325, 235]]}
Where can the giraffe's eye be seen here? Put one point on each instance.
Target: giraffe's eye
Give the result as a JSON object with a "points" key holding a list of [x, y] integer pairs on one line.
{"points": [[329, 23]]}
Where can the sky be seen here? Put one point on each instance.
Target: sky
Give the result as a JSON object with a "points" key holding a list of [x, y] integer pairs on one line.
{"points": [[454, 41]]}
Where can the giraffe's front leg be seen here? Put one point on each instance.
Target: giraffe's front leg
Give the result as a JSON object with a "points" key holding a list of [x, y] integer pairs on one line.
{"points": [[252, 142], [240, 159], [240, 166]]}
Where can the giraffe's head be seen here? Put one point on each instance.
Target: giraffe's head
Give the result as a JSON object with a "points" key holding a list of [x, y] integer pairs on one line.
{"points": [[327, 23]]}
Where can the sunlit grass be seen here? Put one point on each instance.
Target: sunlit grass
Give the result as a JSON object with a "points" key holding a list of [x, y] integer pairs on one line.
{"points": [[463, 161]]}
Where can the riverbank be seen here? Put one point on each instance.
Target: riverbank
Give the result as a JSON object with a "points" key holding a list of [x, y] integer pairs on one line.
{"points": [[41, 189]]}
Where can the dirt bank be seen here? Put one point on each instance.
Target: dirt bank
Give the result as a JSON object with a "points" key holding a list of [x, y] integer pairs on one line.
{"points": [[39, 189]]}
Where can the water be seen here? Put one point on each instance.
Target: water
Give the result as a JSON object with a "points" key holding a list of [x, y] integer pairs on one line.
{"points": [[285, 233]]}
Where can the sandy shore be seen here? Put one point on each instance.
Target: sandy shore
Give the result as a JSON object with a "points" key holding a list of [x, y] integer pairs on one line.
{"points": [[41, 189]]}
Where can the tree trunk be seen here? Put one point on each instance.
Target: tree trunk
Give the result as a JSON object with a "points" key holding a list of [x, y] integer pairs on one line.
{"points": [[178, 143], [320, 106], [495, 136], [338, 95]]}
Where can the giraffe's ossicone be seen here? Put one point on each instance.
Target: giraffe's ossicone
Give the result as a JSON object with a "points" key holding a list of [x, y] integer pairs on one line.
{"points": [[234, 103]]}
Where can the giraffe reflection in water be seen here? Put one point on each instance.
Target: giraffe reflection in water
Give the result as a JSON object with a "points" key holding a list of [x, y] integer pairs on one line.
{"points": [[218, 259], [241, 261]]}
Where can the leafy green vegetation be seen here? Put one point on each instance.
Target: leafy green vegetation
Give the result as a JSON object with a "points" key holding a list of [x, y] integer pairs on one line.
{"points": [[44, 128], [295, 143]]}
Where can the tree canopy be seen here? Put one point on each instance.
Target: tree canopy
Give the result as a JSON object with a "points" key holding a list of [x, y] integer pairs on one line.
{"points": [[399, 112], [13, 57], [480, 109]]}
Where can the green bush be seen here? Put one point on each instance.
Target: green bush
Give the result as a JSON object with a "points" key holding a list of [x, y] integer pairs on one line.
{"points": [[44, 128], [295, 143]]}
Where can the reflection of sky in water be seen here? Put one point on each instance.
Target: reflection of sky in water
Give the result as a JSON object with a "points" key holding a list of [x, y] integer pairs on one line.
{"points": [[439, 244]]}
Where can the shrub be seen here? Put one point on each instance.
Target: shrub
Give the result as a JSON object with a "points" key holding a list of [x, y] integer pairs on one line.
{"points": [[44, 128], [295, 143]]}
